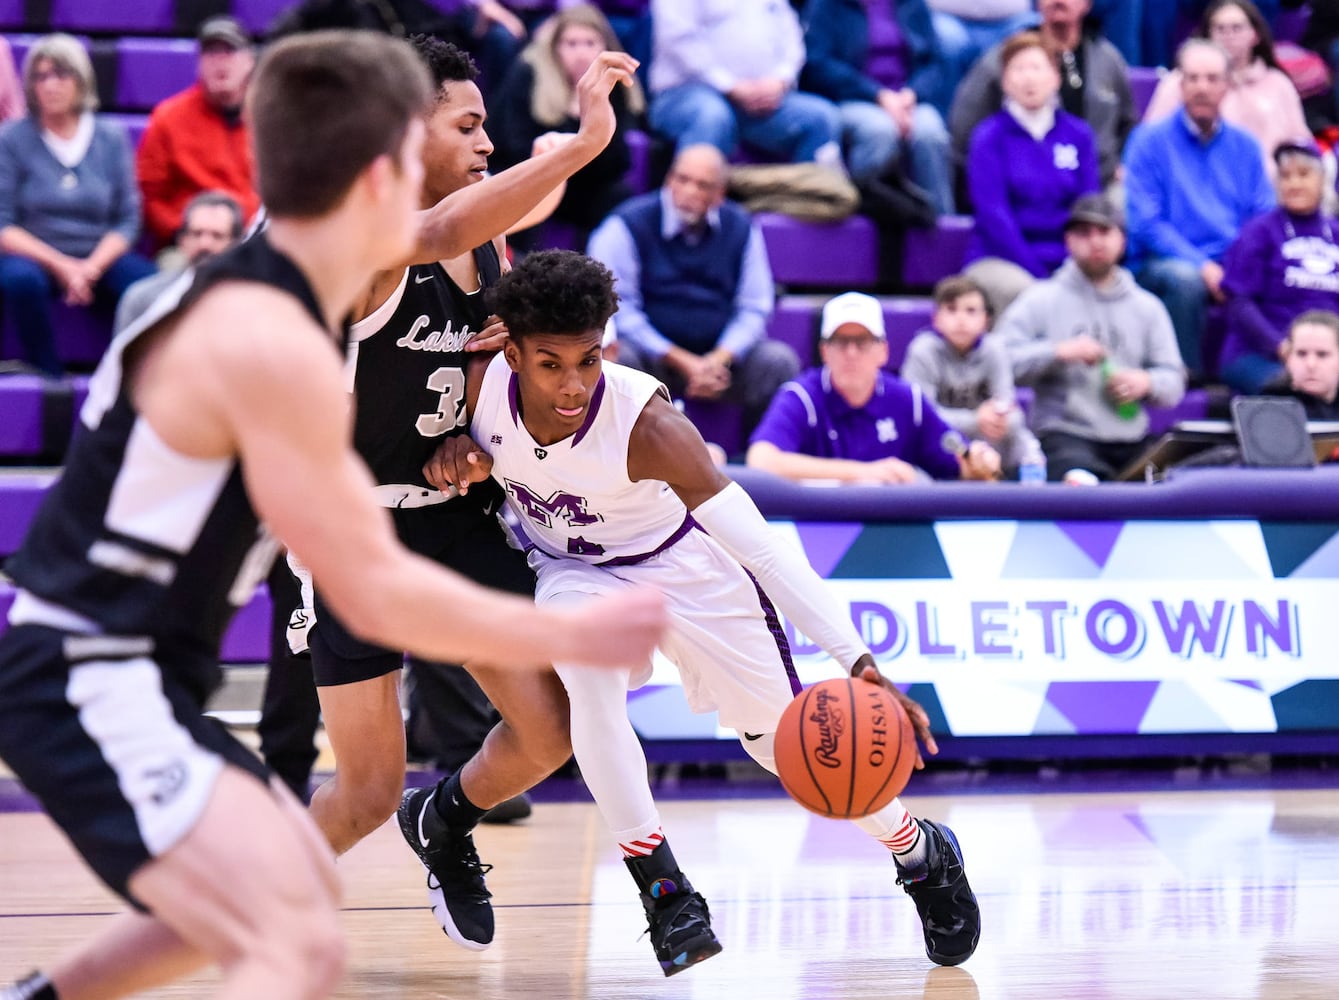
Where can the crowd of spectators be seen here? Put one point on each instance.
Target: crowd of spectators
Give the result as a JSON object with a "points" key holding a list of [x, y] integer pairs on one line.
{"points": [[1018, 113]]}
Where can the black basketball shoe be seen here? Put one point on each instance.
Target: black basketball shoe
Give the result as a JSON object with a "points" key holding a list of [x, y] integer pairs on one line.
{"points": [[677, 918], [944, 900], [456, 890]]}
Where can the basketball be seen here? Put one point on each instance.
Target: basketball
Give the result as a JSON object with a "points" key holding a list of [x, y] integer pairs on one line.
{"points": [[845, 748]]}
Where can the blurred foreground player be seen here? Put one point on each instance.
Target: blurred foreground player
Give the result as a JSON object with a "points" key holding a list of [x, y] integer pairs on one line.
{"points": [[222, 408]]}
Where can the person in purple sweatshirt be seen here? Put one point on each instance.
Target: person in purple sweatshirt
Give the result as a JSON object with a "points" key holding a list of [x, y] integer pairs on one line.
{"points": [[1026, 165], [1284, 263]]}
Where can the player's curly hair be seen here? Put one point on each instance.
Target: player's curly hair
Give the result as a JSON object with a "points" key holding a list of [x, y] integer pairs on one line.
{"points": [[446, 62], [555, 291]]}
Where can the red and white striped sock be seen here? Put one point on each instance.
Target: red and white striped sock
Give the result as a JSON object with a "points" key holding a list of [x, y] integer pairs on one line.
{"points": [[896, 829], [640, 844]]}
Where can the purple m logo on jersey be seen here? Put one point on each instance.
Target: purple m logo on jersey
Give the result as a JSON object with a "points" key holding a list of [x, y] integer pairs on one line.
{"points": [[560, 506]]}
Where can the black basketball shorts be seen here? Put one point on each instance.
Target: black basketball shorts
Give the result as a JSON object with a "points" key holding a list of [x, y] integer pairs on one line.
{"points": [[118, 752], [480, 552]]}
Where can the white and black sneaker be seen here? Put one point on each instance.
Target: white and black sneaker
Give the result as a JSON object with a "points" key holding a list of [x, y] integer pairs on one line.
{"points": [[456, 889]]}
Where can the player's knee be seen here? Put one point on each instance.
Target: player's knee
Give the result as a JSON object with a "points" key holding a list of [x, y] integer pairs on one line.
{"points": [[372, 795]]}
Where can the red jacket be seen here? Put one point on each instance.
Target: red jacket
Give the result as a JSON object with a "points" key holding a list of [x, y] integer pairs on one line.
{"points": [[187, 148]]}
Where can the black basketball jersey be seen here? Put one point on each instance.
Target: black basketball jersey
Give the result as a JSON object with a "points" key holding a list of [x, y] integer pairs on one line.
{"points": [[137, 538], [408, 363]]}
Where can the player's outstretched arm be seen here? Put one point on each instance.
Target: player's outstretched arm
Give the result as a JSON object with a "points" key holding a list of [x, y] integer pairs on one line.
{"points": [[474, 215], [284, 406]]}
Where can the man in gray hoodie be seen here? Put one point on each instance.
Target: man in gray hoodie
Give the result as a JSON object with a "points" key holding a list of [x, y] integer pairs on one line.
{"points": [[1095, 347]]}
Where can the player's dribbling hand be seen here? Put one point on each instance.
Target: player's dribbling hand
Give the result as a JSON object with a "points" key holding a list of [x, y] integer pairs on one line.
{"points": [[457, 462], [618, 630], [593, 89], [866, 670]]}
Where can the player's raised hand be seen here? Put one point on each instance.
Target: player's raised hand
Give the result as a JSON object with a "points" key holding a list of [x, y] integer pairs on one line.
{"points": [[867, 670], [458, 461], [593, 89], [618, 630]]}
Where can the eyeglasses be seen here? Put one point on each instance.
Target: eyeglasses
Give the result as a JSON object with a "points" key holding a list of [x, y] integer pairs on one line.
{"points": [[851, 343], [53, 73], [1232, 28]]}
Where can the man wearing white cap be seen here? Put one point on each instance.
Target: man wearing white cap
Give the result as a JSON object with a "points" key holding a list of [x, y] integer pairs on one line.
{"points": [[852, 421]]}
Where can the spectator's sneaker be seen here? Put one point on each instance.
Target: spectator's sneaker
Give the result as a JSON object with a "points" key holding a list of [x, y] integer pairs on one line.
{"points": [[456, 887], [944, 900], [677, 918]]}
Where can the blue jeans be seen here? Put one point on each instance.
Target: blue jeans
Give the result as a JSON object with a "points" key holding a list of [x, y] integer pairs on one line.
{"points": [[961, 42], [1182, 290], [1249, 373], [694, 113], [28, 291], [872, 143]]}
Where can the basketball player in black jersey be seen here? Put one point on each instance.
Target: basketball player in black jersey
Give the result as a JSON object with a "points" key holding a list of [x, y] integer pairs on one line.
{"points": [[221, 409], [407, 368]]}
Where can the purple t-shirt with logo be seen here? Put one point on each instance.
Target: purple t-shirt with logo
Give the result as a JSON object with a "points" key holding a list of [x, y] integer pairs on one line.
{"points": [[809, 417], [1284, 264]]}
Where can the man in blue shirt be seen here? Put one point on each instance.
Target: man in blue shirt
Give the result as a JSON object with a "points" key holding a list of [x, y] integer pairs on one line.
{"points": [[853, 422], [695, 288], [1192, 180]]}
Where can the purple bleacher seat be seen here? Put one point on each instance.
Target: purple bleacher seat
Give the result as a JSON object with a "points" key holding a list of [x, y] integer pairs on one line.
{"points": [[150, 69], [1143, 81], [22, 401], [932, 254], [12, 14], [719, 422], [257, 15], [113, 15], [1193, 406], [20, 495], [841, 255], [794, 321], [134, 124], [903, 318], [639, 170], [1291, 24], [248, 637], [82, 335]]}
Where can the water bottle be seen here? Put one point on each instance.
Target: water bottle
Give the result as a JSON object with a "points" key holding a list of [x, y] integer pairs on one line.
{"points": [[1127, 410], [1032, 469]]}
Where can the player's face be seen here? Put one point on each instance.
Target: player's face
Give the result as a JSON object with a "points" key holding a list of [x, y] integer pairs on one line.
{"points": [[557, 375], [456, 151], [1313, 361]]}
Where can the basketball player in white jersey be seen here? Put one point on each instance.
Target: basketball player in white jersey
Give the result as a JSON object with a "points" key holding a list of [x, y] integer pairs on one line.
{"points": [[220, 411], [614, 488]]}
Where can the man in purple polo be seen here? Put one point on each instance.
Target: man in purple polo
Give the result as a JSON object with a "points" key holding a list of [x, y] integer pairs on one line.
{"points": [[852, 421]]}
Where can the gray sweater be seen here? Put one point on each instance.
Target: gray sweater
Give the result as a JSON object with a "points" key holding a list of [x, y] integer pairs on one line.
{"points": [[959, 383], [1130, 322], [37, 195]]}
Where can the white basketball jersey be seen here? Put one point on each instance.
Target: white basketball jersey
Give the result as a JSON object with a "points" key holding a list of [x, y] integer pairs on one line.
{"points": [[573, 498]]}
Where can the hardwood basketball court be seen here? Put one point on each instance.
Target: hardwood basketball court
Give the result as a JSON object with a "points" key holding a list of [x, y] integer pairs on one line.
{"points": [[1231, 895]]}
